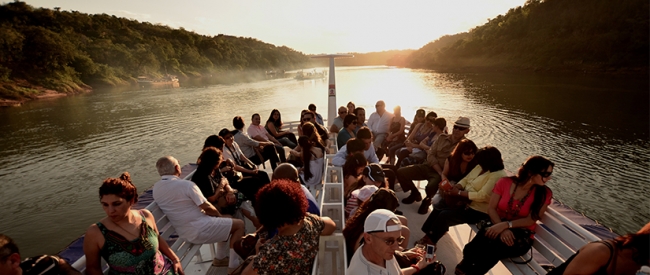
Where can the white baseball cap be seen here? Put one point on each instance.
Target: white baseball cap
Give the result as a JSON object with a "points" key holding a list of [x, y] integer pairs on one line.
{"points": [[365, 192], [377, 220]]}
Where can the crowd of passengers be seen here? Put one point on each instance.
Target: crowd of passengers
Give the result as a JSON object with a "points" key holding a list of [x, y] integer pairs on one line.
{"points": [[466, 184]]}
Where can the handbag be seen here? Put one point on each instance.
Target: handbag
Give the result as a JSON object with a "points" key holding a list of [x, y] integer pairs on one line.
{"points": [[452, 201], [231, 175], [522, 238]]}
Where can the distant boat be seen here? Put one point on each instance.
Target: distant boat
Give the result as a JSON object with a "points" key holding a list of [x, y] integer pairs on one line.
{"points": [[169, 80], [275, 74], [311, 75]]}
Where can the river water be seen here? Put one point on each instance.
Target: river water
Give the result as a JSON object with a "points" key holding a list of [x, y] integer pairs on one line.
{"points": [[55, 153]]}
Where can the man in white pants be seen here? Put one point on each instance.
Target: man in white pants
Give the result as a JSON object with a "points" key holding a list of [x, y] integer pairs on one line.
{"points": [[194, 217]]}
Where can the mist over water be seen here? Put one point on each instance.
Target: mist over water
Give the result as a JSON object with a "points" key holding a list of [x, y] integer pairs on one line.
{"points": [[55, 153]]}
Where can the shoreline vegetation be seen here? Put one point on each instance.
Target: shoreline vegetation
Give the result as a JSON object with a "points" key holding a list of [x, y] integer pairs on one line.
{"points": [[48, 53]]}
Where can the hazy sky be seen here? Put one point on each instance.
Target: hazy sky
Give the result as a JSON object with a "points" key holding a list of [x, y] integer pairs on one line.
{"points": [[309, 26]]}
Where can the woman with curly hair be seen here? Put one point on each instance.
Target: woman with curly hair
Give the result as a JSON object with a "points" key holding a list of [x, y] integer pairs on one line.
{"points": [[382, 199], [127, 239], [283, 205], [274, 127]]}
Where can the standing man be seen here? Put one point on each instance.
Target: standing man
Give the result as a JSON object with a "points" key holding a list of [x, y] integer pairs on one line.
{"points": [[257, 132], [319, 118], [337, 124], [194, 217], [432, 169], [379, 123]]}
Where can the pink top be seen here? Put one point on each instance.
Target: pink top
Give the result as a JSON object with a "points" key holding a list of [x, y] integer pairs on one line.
{"points": [[516, 210], [257, 131], [353, 204]]}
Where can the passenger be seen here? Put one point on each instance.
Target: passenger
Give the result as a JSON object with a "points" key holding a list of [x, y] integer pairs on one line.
{"points": [[372, 175], [349, 125], [418, 118], [360, 112], [292, 250], [10, 262], [309, 130], [460, 162], [416, 136], [319, 118], [257, 132], [418, 153], [312, 157], [289, 172], [352, 169], [337, 124], [516, 204], [351, 107], [252, 178], [379, 124], [192, 215], [381, 238], [274, 127], [128, 240], [622, 255], [431, 171], [248, 145], [362, 195], [369, 152], [216, 188], [396, 135], [474, 189], [307, 116]]}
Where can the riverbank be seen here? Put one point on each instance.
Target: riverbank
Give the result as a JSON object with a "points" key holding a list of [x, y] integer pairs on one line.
{"points": [[15, 93]]}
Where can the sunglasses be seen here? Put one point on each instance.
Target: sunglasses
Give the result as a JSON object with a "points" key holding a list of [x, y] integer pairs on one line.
{"points": [[469, 153], [306, 119], [459, 128], [391, 241], [354, 122], [545, 174]]}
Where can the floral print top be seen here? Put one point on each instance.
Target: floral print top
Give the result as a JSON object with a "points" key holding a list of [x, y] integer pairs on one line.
{"points": [[290, 254]]}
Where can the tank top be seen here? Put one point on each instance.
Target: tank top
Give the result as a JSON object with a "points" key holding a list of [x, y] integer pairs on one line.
{"points": [[601, 271], [139, 256], [421, 135]]}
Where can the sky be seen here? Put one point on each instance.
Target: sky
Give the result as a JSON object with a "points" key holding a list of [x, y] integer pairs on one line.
{"points": [[308, 26]]}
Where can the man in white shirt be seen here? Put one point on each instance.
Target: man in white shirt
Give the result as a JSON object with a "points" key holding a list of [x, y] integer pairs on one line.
{"points": [[379, 123], [337, 124], [194, 217], [381, 238], [257, 132]]}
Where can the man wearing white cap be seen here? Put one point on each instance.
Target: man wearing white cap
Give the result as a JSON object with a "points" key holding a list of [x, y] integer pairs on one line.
{"points": [[381, 238]]}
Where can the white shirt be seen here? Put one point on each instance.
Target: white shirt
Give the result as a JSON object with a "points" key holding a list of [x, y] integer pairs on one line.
{"points": [[339, 158], [379, 124], [233, 155], [180, 199], [359, 265]]}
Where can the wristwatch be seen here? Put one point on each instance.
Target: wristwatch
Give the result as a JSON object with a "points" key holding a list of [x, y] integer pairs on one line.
{"points": [[509, 224]]}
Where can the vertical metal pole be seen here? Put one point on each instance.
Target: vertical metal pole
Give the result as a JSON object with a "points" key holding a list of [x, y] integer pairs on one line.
{"points": [[331, 95]]}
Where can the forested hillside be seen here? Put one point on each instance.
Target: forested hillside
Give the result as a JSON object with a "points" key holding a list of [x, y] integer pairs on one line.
{"points": [[563, 35], [65, 51]]}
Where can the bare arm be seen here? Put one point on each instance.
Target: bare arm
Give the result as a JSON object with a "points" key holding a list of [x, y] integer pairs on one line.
{"points": [[334, 129], [92, 247], [445, 170], [162, 244], [271, 128], [210, 210], [591, 258], [411, 133], [329, 228]]}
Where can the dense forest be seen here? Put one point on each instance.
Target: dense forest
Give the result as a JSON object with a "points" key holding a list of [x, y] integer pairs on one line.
{"points": [[67, 51], [554, 35]]}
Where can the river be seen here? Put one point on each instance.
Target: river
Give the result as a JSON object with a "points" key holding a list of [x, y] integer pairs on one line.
{"points": [[55, 153]]}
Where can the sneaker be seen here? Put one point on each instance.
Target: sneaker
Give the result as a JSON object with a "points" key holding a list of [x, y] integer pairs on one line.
{"points": [[220, 262], [413, 197], [424, 207]]}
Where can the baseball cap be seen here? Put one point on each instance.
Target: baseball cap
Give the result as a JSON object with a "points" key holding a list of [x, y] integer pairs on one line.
{"points": [[365, 192], [374, 172], [376, 222]]}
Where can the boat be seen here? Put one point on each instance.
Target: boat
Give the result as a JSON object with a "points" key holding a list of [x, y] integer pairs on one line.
{"points": [[310, 75], [331, 257], [168, 80]]}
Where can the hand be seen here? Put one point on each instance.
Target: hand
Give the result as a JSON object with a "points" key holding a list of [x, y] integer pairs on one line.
{"points": [[424, 262], [259, 243], [453, 191], [178, 269], [496, 229], [230, 198], [507, 237], [230, 162], [414, 253]]}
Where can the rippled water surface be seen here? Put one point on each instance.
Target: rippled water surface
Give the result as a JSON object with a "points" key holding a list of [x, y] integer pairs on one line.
{"points": [[55, 153]]}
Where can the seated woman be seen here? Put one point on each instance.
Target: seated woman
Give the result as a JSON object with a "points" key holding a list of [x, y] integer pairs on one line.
{"points": [[274, 127], [396, 135], [457, 166], [349, 125], [308, 130], [307, 116], [373, 174], [476, 187], [417, 119], [353, 231], [128, 240], [415, 137], [352, 169], [215, 187], [311, 172], [622, 255], [252, 179], [515, 206], [283, 205]]}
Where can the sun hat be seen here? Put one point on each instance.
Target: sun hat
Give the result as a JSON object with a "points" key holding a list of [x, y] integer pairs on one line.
{"points": [[374, 172], [462, 122], [377, 220], [365, 192]]}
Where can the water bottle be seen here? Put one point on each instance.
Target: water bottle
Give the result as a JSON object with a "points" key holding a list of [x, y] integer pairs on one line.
{"points": [[645, 270]]}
